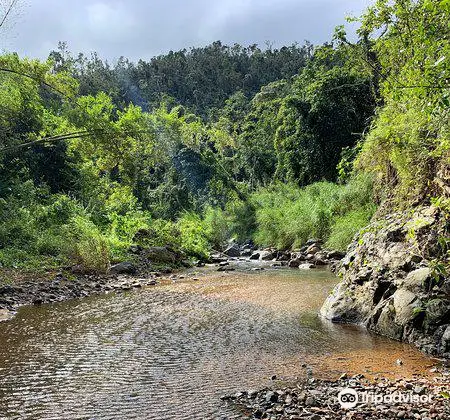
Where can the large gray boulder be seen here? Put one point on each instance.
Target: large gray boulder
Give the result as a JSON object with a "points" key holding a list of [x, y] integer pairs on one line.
{"points": [[125, 267], [267, 255], [233, 251]]}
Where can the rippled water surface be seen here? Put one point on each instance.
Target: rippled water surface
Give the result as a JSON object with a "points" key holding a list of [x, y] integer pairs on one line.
{"points": [[170, 351]]}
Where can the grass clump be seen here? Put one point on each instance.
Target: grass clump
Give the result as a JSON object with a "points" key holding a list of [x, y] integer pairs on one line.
{"points": [[287, 215]]}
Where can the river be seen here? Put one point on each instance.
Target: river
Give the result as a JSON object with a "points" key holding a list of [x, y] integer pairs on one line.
{"points": [[171, 351]]}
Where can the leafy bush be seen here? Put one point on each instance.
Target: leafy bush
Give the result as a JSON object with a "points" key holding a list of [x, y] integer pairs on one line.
{"points": [[194, 236], [345, 227], [88, 247], [217, 226]]}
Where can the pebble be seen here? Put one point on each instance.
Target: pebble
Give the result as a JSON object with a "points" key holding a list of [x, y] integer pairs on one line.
{"points": [[317, 400]]}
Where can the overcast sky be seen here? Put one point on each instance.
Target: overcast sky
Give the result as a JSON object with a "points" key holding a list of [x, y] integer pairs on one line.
{"points": [[144, 28]]}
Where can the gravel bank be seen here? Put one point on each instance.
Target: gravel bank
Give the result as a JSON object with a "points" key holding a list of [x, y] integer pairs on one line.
{"points": [[316, 399]]}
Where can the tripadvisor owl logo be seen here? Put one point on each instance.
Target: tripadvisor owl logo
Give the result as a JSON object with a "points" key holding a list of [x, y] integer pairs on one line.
{"points": [[348, 398]]}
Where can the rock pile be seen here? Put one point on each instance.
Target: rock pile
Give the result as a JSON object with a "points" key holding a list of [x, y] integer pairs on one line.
{"points": [[318, 399], [309, 256]]}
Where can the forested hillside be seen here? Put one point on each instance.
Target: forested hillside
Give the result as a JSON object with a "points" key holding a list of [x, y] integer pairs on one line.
{"points": [[199, 146], [199, 78]]}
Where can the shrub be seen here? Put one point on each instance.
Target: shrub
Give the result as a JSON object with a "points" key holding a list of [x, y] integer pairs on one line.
{"points": [[194, 236], [217, 226], [345, 227], [87, 246]]}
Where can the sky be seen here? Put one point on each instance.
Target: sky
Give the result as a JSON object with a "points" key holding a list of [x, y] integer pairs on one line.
{"points": [[141, 29]]}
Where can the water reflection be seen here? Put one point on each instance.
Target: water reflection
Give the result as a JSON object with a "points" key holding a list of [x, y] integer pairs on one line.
{"points": [[169, 352]]}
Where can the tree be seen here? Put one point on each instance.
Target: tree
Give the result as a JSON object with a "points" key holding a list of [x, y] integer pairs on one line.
{"points": [[408, 146], [326, 111]]}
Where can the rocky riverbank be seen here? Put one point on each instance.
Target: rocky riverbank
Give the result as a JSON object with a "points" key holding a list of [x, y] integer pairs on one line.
{"points": [[315, 399], [62, 288], [72, 284], [141, 271], [395, 280], [309, 256]]}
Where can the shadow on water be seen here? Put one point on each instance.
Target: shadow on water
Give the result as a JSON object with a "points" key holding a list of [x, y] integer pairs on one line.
{"points": [[170, 351]]}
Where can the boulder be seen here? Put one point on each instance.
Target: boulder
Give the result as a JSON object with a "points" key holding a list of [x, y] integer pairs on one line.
{"points": [[161, 254], [255, 255], [444, 340], [267, 255], [320, 258], [247, 252], [386, 324], [387, 284], [299, 256], [313, 249], [218, 258], [249, 244], [319, 261], [233, 251], [125, 267], [283, 256], [405, 304], [419, 279], [436, 310], [294, 263], [335, 255]]}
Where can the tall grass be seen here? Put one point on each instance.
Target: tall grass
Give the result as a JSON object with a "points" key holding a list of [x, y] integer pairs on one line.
{"points": [[287, 216]]}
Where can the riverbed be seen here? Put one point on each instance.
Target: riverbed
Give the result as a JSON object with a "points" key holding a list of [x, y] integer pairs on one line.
{"points": [[170, 351]]}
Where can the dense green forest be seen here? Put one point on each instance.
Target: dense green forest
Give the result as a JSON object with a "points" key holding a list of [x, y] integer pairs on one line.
{"points": [[199, 146]]}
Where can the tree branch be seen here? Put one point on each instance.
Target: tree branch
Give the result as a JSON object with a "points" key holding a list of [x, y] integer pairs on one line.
{"points": [[8, 12]]}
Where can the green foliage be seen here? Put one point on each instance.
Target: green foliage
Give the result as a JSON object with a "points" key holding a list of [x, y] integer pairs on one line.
{"points": [[345, 227], [218, 227], [287, 216], [194, 237], [200, 78], [408, 145], [198, 146], [90, 249], [326, 111]]}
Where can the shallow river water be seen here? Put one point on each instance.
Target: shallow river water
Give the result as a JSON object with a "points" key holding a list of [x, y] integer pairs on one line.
{"points": [[171, 351]]}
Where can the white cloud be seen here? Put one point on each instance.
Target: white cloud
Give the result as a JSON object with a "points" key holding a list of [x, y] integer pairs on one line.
{"points": [[143, 28], [110, 20]]}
